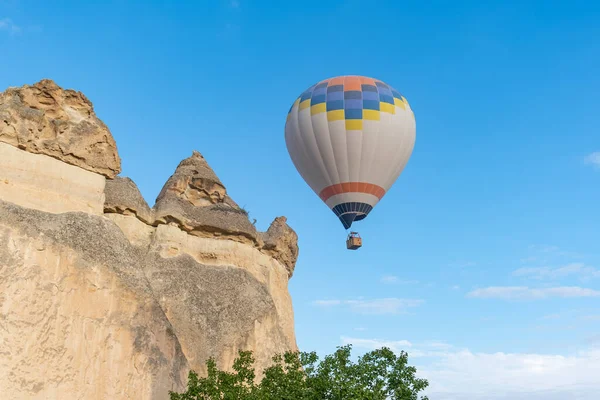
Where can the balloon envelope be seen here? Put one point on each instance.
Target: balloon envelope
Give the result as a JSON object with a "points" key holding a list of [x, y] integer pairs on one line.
{"points": [[350, 137]]}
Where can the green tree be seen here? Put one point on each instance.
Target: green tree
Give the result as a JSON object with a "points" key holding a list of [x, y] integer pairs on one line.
{"points": [[377, 375], [222, 385]]}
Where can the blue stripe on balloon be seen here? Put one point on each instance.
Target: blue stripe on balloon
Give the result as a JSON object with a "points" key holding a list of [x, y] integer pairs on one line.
{"points": [[369, 88], [351, 211], [371, 104], [335, 105], [353, 94], [386, 98], [353, 104], [353, 113], [335, 96], [318, 99], [371, 96]]}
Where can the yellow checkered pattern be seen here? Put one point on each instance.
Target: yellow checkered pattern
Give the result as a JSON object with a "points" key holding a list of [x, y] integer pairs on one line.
{"points": [[340, 115]]}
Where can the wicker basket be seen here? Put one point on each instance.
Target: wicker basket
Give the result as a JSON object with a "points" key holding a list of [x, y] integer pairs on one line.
{"points": [[354, 241]]}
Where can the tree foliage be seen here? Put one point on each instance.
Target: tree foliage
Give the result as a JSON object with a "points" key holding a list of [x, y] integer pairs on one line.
{"points": [[377, 375]]}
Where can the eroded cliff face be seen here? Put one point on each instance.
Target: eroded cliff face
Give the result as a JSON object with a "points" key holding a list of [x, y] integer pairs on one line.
{"points": [[102, 296]]}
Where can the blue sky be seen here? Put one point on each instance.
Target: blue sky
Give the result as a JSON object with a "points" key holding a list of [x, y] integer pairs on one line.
{"points": [[482, 260]]}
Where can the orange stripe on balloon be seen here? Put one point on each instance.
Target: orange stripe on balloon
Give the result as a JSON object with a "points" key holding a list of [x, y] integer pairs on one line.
{"points": [[352, 187], [367, 81], [352, 83], [336, 81]]}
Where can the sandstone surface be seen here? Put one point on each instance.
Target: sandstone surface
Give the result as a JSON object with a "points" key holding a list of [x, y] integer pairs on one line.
{"points": [[104, 297], [40, 182], [124, 197], [195, 200], [45, 119], [79, 319], [281, 242]]}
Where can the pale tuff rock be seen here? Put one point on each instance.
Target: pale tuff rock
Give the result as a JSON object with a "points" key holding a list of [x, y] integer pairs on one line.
{"points": [[196, 200], [124, 197], [216, 310], [139, 233], [47, 119], [271, 309], [79, 319], [206, 225], [281, 242], [47, 184], [195, 181], [103, 297]]}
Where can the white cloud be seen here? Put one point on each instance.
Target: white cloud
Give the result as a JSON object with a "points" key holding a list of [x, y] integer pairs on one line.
{"points": [[390, 305], [544, 251], [552, 316], [327, 302], [590, 317], [594, 339], [373, 344], [391, 279], [526, 293], [460, 374], [7, 25], [466, 375], [526, 260], [581, 270], [544, 248], [593, 159], [433, 348], [463, 264], [574, 316]]}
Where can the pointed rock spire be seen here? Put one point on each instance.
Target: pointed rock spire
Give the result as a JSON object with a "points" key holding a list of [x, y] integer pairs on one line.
{"points": [[195, 181], [195, 198], [281, 242]]}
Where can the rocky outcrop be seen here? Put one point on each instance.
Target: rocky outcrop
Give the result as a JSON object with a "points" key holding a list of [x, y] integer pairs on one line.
{"points": [[124, 197], [45, 119], [196, 226], [281, 242], [102, 296], [79, 319], [40, 182], [195, 200], [217, 310]]}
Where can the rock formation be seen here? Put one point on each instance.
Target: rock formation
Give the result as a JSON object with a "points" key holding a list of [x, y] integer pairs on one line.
{"points": [[45, 119], [103, 297]]}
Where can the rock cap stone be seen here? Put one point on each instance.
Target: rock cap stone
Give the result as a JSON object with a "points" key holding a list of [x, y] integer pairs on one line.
{"points": [[44, 118]]}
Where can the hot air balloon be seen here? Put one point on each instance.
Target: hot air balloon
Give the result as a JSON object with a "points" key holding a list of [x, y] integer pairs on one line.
{"points": [[350, 137]]}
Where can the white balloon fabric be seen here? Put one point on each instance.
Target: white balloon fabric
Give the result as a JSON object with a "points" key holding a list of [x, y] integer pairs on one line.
{"points": [[350, 138]]}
